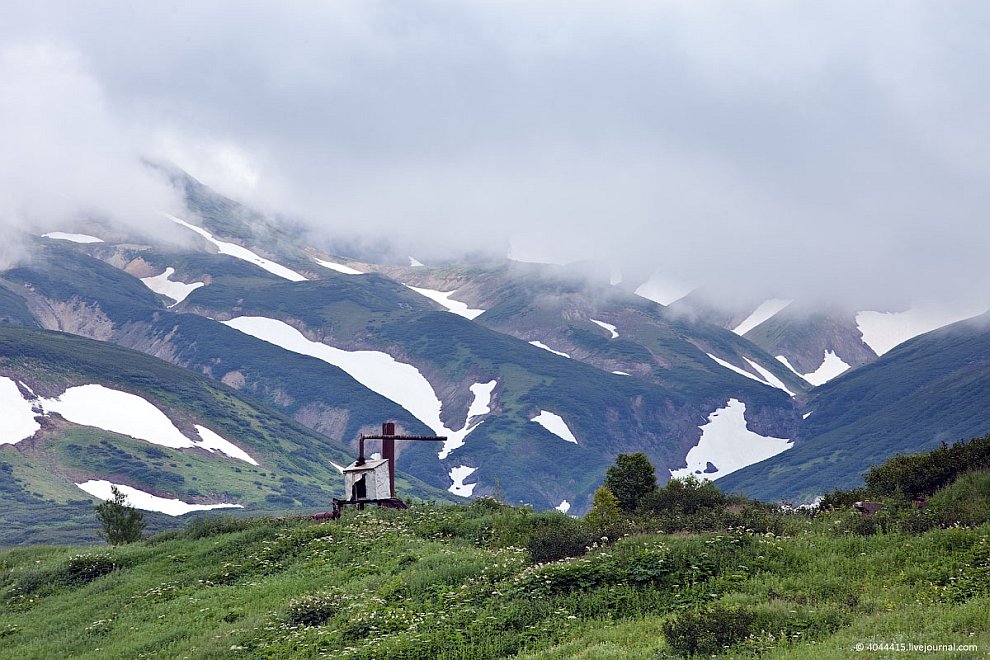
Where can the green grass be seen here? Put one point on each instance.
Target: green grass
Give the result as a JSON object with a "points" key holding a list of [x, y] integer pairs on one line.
{"points": [[453, 582]]}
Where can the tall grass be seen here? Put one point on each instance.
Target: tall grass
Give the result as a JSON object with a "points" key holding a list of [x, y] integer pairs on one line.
{"points": [[460, 582]]}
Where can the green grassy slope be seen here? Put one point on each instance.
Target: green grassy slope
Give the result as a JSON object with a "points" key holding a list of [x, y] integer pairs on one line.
{"points": [[931, 389], [295, 471], [441, 583]]}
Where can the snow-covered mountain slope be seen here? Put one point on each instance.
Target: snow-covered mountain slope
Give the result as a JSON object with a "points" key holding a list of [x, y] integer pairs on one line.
{"points": [[75, 238], [727, 445], [242, 253], [340, 268], [166, 286], [444, 299], [883, 331], [767, 310], [454, 349], [139, 499], [556, 425], [928, 390]]}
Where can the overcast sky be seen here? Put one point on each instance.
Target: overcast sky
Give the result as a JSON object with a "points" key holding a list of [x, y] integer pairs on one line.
{"points": [[797, 148]]}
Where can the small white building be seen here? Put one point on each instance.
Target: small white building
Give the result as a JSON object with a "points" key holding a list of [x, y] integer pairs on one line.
{"points": [[369, 481]]}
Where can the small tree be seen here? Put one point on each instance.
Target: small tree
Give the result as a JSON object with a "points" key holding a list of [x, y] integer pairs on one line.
{"points": [[630, 479], [604, 515], [121, 522]]}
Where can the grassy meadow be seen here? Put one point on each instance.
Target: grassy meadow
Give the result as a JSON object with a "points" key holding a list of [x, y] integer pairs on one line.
{"points": [[460, 582]]}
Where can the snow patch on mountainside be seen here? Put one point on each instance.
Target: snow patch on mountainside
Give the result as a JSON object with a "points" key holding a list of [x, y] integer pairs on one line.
{"points": [[832, 366], [607, 326], [732, 367], [662, 290], [458, 475], [883, 331], [768, 377], [620, 373], [728, 445], [555, 424], [146, 501], [482, 398], [107, 409], [214, 442], [480, 405], [540, 344], [340, 268], [18, 418], [379, 372], [75, 238], [453, 306], [119, 412], [783, 361], [767, 310], [415, 263], [242, 253], [177, 291]]}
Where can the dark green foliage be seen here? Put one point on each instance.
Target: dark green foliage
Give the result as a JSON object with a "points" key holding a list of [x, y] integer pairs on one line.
{"points": [[718, 628], [81, 569], [686, 496], [920, 475], [708, 631], [604, 518], [121, 522], [630, 479], [76, 571], [966, 501], [556, 536], [842, 499], [313, 610], [203, 526]]}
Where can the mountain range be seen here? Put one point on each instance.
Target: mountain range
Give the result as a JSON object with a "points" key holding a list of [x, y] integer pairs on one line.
{"points": [[248, 325]]}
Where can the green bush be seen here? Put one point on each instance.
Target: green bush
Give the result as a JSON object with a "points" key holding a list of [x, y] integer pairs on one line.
{"points": [[708, 631], [923, 474], [204, 526], [314, 610], [842, 499], [686, 496], [121, 523], [556, 536], [82, 569], [714, 629], [966, 501], [630, 479]]}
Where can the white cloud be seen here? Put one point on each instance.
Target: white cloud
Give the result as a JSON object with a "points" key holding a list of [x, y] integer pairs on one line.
{"points": [[832, 142]]}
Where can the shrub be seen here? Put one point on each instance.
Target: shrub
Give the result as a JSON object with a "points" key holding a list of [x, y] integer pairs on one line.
{"points": [[82, 569], [630, 479], [203, 526], [842, 499], [687, 496], [313, 610], [121, 522], [965, 501], [604, 517], [923, 474], [707, 631], [555, 536]]}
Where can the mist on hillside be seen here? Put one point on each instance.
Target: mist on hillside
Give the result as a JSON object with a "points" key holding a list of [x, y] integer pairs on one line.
{"points": [[818, 153]]}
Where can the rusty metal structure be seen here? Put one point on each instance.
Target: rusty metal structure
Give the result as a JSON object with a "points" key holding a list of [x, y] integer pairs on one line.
{"points": [[372, 481]]}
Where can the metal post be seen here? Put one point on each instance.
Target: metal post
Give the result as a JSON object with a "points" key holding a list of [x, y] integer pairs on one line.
{"points": [[388, 453]]}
